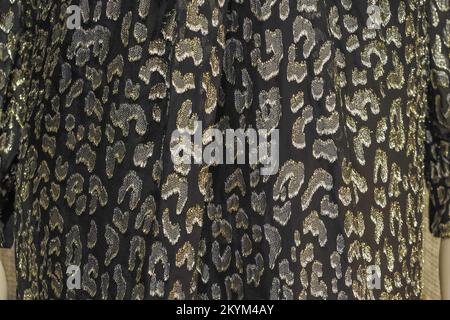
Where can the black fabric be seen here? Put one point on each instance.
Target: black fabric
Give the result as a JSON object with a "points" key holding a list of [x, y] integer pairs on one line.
{"points": [[358, 91]]}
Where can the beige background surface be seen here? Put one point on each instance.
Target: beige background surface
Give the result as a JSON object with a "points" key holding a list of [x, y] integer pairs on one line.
{"points": [[431, 288], [7, 258]]}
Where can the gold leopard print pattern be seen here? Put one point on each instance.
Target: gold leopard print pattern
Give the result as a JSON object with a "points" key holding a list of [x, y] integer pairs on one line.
{"points": [[359, 91]]}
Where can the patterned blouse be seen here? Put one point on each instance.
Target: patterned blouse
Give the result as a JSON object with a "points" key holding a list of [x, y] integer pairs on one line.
{"points": [[92, 90]]}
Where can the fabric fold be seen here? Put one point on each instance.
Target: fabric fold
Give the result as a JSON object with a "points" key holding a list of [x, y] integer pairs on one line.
{"points": [[438, 122], [10, 99], [195, 74]]}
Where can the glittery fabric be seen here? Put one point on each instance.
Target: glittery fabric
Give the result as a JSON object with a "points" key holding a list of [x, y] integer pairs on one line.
{"points": [[359, 91]]}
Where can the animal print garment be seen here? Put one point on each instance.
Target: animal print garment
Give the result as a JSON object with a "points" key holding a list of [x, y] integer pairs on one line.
{"points": [[359, 91]]}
